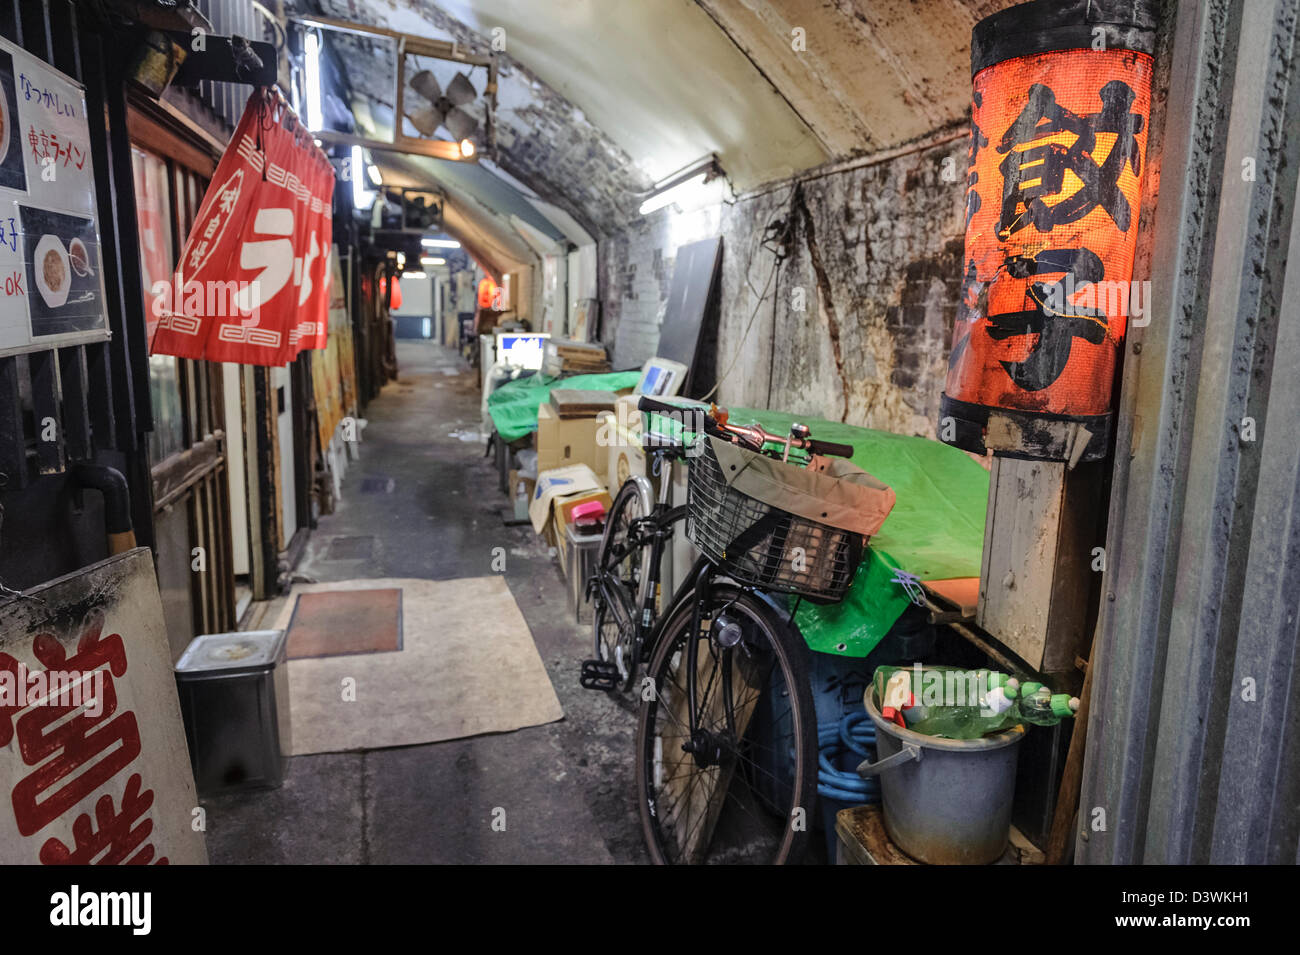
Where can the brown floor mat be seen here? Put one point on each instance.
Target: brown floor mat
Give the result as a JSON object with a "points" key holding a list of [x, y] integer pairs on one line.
{"points": [[344, 622], [468, 666]]}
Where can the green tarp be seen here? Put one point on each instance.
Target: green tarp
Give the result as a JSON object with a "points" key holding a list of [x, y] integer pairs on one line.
{"points": [[514, 405], [935, 531]]}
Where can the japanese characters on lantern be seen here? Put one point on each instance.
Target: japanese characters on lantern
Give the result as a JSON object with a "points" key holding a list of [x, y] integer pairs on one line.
{"points": [[1053, 195]]}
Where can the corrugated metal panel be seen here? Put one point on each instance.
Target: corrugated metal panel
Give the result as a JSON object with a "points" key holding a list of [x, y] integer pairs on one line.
{"points": [[1195, 725]]}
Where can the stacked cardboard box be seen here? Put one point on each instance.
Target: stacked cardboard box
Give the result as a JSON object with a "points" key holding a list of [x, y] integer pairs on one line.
{"points": [[557, 493], [563, 442]]}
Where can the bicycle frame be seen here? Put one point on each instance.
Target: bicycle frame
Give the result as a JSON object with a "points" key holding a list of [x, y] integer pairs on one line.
{"points": [[660, 527]]}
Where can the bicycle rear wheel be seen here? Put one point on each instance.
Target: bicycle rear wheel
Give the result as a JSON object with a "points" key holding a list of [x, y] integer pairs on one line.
{"points": [[747, 793], [623, 569]]}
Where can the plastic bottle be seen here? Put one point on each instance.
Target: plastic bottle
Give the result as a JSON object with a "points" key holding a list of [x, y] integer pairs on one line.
{"points": [[896, 697], [1000, 699]]}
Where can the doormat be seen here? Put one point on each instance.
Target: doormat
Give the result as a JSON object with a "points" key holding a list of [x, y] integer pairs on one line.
{"points": [[467, 666], [342, 622]]}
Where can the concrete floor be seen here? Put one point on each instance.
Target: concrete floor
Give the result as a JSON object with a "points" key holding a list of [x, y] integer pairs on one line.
{"points": [[435, 512]]}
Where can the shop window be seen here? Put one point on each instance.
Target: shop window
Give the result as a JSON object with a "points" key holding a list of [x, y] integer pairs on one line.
{"points": [[153, 212]]}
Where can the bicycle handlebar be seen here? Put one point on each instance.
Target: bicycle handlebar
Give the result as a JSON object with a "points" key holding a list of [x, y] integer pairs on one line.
{"points": [[829, 447], [752, 437]]}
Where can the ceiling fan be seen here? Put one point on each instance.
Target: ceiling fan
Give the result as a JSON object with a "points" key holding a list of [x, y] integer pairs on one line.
{"points": [[446, 108]]}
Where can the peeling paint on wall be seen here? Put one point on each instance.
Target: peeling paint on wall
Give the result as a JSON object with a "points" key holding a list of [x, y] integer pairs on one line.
{"points": [[864, 306]]}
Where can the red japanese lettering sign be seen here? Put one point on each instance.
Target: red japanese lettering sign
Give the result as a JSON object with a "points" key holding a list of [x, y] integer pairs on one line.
{"points": [[1054, 192], [93, 761], [253, 282]]}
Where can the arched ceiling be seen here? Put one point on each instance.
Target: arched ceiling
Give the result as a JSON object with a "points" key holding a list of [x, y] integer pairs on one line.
{"points": [[479, 219], [598, 99]]}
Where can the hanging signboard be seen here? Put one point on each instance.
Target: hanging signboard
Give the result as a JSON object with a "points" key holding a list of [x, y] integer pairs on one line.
{"points": [[51, 286], [331, 372], [253, 283], [1060, 116], [93, 762]]}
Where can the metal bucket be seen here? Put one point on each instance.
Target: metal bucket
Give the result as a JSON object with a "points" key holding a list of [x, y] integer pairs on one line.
{"points": [[945, 801]]}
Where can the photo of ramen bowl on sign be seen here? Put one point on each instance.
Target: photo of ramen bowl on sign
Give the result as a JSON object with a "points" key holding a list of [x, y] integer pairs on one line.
{"points": [[12, 174], [62, 253]]}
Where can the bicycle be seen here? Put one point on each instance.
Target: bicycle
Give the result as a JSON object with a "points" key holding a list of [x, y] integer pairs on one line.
{"points": [[726, 732]]}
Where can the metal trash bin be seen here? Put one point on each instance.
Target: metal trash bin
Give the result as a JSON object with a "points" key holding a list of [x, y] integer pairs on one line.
{"points": [[578, 558], [234, 693]]}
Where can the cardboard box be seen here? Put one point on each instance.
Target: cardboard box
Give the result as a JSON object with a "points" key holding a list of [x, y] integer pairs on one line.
{"points": [[558, 483], [564, 442]]}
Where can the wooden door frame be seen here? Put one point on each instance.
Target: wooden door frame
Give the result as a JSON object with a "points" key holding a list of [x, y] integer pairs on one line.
{"points": [[198, 475]]}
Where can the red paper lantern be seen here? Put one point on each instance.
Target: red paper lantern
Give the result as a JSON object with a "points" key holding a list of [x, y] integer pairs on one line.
{"points": [[1060, 116], [397, 292], [487, 293]]}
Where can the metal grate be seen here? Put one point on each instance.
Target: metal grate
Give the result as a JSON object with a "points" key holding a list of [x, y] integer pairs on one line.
{"points": [[377, 485], [351, 548], [764, 546]]}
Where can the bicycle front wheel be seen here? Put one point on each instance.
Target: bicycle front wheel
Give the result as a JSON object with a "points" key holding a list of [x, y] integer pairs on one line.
{"points": [[742, 787]]}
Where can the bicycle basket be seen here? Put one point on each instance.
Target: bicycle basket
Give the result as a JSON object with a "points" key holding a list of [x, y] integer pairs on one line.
{"points": [[779, 527]]}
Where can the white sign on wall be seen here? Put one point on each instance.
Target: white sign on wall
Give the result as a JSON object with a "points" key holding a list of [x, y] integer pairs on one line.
{"points": [[51, 281]]}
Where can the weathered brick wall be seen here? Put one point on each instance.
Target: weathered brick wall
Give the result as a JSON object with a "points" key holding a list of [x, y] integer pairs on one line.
{"points": [[864, 305]]}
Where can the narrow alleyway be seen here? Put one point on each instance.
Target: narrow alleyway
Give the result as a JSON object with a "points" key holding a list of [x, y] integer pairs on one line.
{"points": [[429, 499]]}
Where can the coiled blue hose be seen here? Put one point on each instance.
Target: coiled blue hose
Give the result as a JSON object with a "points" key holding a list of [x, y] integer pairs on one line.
{"points": [[856, 734]]}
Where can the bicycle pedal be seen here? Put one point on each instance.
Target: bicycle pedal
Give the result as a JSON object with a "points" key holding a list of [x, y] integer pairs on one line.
{"points": [[599, 675]]}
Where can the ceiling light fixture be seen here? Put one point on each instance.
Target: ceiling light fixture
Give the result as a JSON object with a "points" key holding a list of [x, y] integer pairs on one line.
{"points": [[362, 197], [312, 80], [440, 243], [432, 260], [688, 187]]}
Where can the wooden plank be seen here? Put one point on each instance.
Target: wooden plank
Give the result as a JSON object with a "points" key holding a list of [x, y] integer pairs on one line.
{"points": [[1067, 798], [1037, 583], [9, 23], [226, 549], [76, 411], [13, 442], [149, 130], [120, 262], [35, 29], [1020, 537], [862, 839], [175, 476], [43, 371], [216, 570], [99, 377], [65, 54]]}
